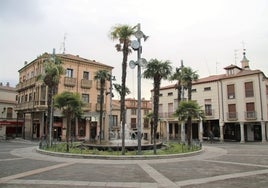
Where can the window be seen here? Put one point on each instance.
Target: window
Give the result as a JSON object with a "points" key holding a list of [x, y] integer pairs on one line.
{"points": [[69, 73], [86, 75], [208, 107], [85, 98], [207, 88], [160, 94], [193, 90], [208, 110], [115, 120], [170, 109], [249, 89], [133, 123], [230, 91], [30, 97], [170, 94], [9, 112], [146, 123], [133, 111], [250, 110], [231, 111], [145, 111], [26, 98]]}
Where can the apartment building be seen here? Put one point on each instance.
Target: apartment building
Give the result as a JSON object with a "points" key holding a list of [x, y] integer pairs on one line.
{"points": [[131, 107], [235, 106], [79, 78], [10, 123]]}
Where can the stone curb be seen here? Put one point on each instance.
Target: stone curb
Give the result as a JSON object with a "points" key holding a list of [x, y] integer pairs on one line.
{"points": [[118, 157]]}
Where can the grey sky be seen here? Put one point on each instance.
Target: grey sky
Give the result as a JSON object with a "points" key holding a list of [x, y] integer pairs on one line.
{"points": [[205, 34]]}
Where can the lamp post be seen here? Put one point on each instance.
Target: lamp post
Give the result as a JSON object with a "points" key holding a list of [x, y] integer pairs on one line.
{"points": [[141, 62]]}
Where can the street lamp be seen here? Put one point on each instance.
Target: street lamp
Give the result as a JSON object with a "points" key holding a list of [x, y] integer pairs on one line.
{"points": [[141, 62]]}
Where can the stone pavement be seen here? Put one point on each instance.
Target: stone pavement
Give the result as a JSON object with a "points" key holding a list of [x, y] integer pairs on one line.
{"points": [[221, 165]]}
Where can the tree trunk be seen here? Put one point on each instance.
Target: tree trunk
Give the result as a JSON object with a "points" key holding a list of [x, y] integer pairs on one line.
{"points": [[189, 131], [68, 130], [156, 104], [123, 94], [101, 106]]}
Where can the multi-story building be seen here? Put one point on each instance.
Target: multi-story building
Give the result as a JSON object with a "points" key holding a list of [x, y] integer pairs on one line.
{"points": [[79, 78], [235, 105], [10, 123], [131, 107]]}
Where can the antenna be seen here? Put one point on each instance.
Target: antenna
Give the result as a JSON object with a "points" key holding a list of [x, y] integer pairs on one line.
{"points": [[235, 56], [217, 63], [63, 44]]}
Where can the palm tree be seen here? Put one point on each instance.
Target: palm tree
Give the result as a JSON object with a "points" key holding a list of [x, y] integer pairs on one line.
{"points": [[188, 110], [188, 76], [118, 89], [101, 76], [53, 70], [71, 106], [123, 33], [157, 70], [178, 77]]}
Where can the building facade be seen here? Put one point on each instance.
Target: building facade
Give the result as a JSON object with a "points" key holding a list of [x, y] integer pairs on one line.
{"points": [[78, 78], [10, 123], [235, 105], [131, 107]]}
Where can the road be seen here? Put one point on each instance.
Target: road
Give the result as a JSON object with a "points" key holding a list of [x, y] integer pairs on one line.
{"points": [[221, 165]]}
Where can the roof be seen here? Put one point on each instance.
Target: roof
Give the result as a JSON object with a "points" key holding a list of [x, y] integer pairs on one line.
{"points": [[77, 58], [213, 78], [67, 56]]}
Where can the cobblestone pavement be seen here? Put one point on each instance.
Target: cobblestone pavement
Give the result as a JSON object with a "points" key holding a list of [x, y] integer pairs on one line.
{"points": [[220, 165]]}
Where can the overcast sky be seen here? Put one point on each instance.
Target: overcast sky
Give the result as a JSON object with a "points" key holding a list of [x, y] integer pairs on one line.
{"points": [[207, 34]]}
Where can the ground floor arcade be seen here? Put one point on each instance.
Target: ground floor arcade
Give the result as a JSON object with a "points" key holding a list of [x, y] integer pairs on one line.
{"points": [[229, 131]]}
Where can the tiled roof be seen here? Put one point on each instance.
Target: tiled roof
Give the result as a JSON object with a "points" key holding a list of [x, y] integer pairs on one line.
{"points": [[77, 58]]}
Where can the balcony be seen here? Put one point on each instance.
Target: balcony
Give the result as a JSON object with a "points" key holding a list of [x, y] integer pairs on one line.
{"points": [[26, 84], [231, 116], [71, 82], [86, 107], [250, 115], [24, 106], [87, 84], [166, 115], [209, 113]]}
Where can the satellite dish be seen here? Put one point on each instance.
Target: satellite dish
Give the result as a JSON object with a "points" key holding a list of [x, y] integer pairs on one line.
{"points": [[142, 62], [132, 64]]}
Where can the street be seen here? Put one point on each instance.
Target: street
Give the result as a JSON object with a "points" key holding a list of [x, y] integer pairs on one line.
{"points": [[222, 165]]}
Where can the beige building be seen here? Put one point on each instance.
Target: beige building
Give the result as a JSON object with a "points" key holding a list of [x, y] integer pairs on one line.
{"points": [[131, 107], [235, 106], [79, 78], [10, 123]]}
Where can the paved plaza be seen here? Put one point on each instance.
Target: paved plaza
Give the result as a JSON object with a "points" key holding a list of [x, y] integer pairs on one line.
{"points": [[220, 165]]}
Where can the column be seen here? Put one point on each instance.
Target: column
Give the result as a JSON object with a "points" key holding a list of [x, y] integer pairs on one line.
{"points": [[87, 137], [173, 131], [200, 130], [182, 132], [42, 124], [221, 132], [263, 131], [167, 130], [242, 132]]}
